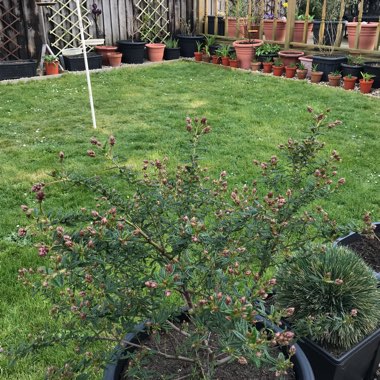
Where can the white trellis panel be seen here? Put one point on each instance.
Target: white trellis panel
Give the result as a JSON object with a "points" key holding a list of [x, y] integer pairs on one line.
{"points": [[64, 24], [152, 16]]}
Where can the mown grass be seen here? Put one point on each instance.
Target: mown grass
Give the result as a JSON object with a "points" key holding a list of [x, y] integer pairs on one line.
{"points": [[145, 108]]}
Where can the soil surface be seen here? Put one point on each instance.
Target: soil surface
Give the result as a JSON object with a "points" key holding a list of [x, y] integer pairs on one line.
{"points": [[368, 249], [174, 343]]}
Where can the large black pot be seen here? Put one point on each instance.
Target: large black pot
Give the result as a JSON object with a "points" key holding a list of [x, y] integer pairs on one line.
{"points": [[18, 69], [359, 363], [353, 70], [328, 64], [133, 51], [302, 366], [374, 69], [211, 25], [171, 53], [76, 62], [329, 36], [354, 237], [188, 44]]}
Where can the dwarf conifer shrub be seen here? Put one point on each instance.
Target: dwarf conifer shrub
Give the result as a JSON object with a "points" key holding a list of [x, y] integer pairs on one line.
{"points": [[333, 293]]}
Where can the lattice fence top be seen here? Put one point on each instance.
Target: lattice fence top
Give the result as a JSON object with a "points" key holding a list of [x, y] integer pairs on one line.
{"points": [[64, 23], [9, 32], [152, 16]]}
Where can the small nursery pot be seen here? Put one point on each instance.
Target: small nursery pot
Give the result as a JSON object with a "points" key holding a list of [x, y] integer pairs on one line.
{"points": [[349, 83], [267, 67], [155, 52], [225, 61], [301, 74], [316, 76], [215, 59], [51, 68], [278, 70], [198, 56], [114, 59], [334, 80], [290, 72], [255, 66], [234, 63], [365, 86]]}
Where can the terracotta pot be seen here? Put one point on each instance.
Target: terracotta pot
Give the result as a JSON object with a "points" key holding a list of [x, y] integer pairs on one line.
{"points": [[225, 61], [301, 74], [298, 30], [280, 31], [255, 66], [290, 56], [206, 58], [215, 59], [365, 86], [234, 30], [267, 67], [349, 83], [334, 80], [367, 36], [51, 68], [198, 56], [316, 76], [278, 70], [234, 63], [245, 51], [290, 72], [307, 61], [114, 59], [103, 51], [155, 52]]}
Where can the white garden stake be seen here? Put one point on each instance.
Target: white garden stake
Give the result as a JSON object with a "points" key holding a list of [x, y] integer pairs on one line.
{"points": [[86, 64]]}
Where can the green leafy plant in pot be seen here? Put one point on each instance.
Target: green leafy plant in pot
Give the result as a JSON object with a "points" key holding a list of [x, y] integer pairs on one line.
{"points": [[335, 303]]}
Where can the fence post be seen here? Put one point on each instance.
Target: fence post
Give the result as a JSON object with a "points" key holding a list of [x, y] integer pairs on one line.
{"points": [[290, 22]]}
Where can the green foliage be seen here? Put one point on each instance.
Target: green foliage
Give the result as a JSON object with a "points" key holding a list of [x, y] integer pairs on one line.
{"points": [[301, 66], [267, 48], [355, 60], [334, 295], [314, 67], [277, 62], [224, 51], [367, 76], [210, 39], [199, 46], [171, 43], [50, 58], [335, 73]]}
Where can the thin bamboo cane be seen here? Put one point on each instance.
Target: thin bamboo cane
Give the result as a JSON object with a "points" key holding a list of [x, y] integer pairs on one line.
{"points": [[306, 26], [359, 25], [216, 20], [323, 20], [339, 32]]}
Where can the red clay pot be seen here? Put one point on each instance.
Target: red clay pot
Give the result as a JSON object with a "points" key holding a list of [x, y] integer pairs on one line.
{"points": [[225, 61], [198, 56], [349, 83], [114, 59], [267, 67], [316, 76], [280, 31], [290, 72], [245, 51], [365, 86], [301, 74], [298, 30], [278, 70], [334, 80], [103, 51], [234, 63], [367, 36], [290, 56], [206, 58], [51, 68], [255, 66], [215, 59], [155, 52], [233, 27]]}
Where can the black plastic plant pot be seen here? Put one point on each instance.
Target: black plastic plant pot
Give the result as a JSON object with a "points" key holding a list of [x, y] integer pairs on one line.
{"points": [[374, 69], [329, 37], [211, 25], [76, 62], [359, 363], [115, 371], [17, 69], [328, 64], [354, 237], [214, 48], [188, 44], [355, 71], [265, 57], [133, 51], [171, 53]]}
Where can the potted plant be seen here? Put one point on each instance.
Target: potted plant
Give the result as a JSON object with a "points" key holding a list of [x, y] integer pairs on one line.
{"points": [[301, 71], [290, 71], [234, 63], [373, 67], [349, 82], [334, 300], [210, 41], [103, 51], [353, 66], [155, 51], [188, 39], [237, 19], [199, 53], [267, 50], [280, 25], [133, 50], [224, 53], [267, 66], [215, 59], [307, 61], [316, 75], [278, 67], [51, 65], [334, 78], [172, 50], [206, 57], [114, 59], [245, 51], [299, 27], [290, 56], [255, 66], [367, 34], [366, 83]]}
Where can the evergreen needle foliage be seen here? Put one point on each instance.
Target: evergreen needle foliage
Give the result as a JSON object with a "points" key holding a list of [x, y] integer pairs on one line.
{"points": [[334, 295]]}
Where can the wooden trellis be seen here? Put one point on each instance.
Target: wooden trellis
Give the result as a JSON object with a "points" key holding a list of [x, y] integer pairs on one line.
{"points": [[152, 16], [65, 24], [9, 32]]}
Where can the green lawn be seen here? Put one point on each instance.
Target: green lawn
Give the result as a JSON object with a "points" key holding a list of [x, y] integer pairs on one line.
{"points": [[145, 108]]}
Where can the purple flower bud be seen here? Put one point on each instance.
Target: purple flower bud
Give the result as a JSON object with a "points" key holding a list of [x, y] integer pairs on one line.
{"points": [[40, 196], [43, 250]]}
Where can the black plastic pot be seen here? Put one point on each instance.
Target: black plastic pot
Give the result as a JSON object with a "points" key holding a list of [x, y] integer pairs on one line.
{"points": [[214, 48], [133, 51], [264, 57], [329, 36], [351, 69], [302, 366], [188, 44], [354, 237], [374, 69], [17, 69], [328, 64], [211, 25], [76, 62], [359, 363], [171, 53]]}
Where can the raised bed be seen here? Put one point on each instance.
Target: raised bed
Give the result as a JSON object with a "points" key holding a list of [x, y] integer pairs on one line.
{"points": [[18, 69]]}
